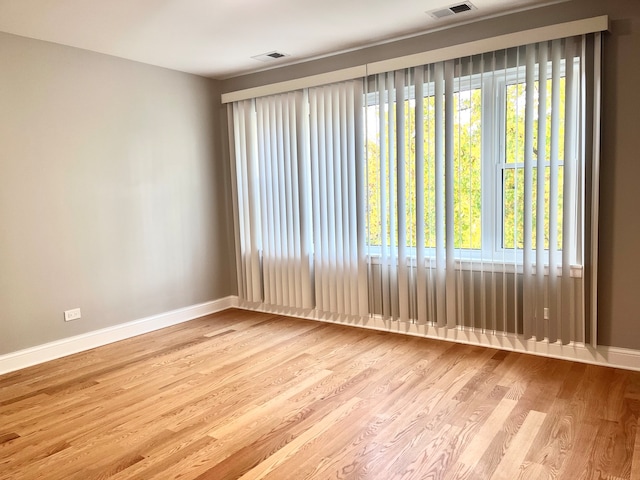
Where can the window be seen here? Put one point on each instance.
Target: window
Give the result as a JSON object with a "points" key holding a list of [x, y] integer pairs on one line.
{"points": [[488, 130]]}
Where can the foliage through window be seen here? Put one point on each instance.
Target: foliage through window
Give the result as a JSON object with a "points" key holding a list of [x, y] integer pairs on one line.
{"points": [[488, 168]]}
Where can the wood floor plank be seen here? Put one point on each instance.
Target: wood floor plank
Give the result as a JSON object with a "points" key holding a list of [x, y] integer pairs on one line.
{"points": [[511, 465], [481, 441], [247, 395], [610, 456], [305, 440], [576, 465]]}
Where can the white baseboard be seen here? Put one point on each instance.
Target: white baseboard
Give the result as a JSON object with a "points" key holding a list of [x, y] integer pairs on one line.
{"points": [[67, 346], [602, 355]]}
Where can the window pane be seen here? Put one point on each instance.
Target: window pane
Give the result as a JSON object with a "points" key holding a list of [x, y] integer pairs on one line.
{"points": [[374, 224], [382, 205], [515, 113], [514, 123], [467, 168], [513, 207], [513, 178], [467, 172]]}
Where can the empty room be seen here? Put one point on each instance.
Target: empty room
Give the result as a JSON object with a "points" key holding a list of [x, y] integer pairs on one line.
{"points": [[319, 240]]}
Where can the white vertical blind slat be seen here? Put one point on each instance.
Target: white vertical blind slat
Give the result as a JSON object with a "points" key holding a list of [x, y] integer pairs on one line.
{"points": [[403, 284], [289, 242], [254, 206], [324, 206], [528, 278], [339, 161], [279, 256], [503, 308], [569, 155], [315, 192], [232, 118], [487, 297], [252, 249], [241, 173], [421, 271], [451, 302], [267, 235], [237, 167], [384, 248], [296, 226], [430, 201], [392, 198], [595, 187], [517, 302], [553, 189], [330, 141], [350, 191], [441, 252], [304, 194], [470, 174], [361, 194], [540, 194]]}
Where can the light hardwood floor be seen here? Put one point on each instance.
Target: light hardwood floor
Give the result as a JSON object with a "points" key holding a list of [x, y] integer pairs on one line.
{"points": [[253, 396]]}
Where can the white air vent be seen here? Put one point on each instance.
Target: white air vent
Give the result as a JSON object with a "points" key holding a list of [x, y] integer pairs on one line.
{"points": [[270, 56], [452, 10]]}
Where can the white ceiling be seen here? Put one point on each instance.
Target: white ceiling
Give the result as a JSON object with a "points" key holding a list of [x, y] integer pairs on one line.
{"points": [[217, 38]]}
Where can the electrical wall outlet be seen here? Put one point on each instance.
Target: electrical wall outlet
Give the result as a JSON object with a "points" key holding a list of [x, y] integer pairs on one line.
{"points": [[72, 314], [546, 313]]}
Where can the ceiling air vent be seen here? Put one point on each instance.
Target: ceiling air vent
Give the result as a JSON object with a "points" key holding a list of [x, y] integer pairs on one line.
{"points": [[270, 56], [452, 10]]}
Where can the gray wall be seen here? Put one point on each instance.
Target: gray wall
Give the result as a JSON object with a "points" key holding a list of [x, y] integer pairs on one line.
{"points": [[113, 192], [619, 294]]}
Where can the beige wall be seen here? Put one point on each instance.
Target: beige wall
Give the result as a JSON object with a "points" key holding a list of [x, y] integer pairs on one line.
{"points": [[619, 294], [113, 192]]}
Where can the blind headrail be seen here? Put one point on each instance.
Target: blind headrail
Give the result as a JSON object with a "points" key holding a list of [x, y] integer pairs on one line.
{"points": [[541, 34]]}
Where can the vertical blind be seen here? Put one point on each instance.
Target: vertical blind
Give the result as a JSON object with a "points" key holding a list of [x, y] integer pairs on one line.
{"points": [[477, 212], [452, 194], [337, 150], [274, 223], [299, 196]]}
